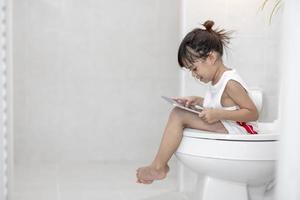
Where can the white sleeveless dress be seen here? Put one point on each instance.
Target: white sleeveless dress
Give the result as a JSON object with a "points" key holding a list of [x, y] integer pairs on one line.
{"points": [[212, 99]]}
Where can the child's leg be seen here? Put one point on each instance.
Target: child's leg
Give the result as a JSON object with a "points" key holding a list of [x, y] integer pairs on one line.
{"points": [[178, 120]]}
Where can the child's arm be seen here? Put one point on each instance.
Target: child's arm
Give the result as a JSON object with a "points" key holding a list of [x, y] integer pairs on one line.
{"points": [[238, 94]]}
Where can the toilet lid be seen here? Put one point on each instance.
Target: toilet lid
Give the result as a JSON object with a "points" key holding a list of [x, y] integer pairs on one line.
{"points": [[266, 135]]}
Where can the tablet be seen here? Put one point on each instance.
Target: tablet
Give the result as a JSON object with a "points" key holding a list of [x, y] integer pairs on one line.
{"points": [[195, 109]]}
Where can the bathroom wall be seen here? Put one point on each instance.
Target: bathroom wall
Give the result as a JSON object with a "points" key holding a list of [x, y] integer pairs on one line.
{"points": [[88, 76], [253, 51], [5, 97], [3, 141], [288, 172]]}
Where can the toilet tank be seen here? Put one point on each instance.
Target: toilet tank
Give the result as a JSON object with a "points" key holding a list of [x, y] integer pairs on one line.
{"points": [[256, 95]]}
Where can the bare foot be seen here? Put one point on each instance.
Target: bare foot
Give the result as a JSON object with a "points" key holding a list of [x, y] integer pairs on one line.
{"points": [[149, 173], [140, 180]]}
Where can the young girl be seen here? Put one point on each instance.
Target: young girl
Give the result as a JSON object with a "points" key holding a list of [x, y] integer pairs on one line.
{"points": [[228, 109]]}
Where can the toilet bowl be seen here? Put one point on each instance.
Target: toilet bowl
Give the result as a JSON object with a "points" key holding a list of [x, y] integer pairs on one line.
{"points": [[227, 165]]}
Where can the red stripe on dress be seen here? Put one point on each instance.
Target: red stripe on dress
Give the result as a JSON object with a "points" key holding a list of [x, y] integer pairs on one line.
{"points": [[248, 127]]}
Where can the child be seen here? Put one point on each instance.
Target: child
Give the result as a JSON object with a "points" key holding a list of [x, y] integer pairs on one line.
{"points": [[228, 109]]}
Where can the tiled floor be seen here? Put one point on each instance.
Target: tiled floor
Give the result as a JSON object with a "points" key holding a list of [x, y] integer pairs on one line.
{"points": [[90, 181]]}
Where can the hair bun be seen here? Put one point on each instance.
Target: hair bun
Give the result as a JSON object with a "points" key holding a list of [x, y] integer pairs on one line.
{"points": [[208, 25]]}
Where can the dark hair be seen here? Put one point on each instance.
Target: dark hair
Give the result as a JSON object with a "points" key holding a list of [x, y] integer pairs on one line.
{"points": [[200, 42]]}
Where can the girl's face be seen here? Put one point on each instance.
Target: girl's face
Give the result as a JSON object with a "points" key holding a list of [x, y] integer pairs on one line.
{"points": [[203, 70]]}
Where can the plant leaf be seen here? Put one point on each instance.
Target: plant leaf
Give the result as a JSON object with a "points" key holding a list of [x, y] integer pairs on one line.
{"points": [[275, 8], [264, 4]]}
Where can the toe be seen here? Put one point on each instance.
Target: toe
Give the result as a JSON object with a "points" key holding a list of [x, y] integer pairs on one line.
{"points": [[138, 181], [146, 181]]}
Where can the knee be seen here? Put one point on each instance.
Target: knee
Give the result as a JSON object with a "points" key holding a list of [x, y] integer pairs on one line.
{"points": [[181, 116], [177, 114]]}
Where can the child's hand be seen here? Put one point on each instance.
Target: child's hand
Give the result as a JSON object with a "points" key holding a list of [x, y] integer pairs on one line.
{"points": [[210, 115], [187, 101]]}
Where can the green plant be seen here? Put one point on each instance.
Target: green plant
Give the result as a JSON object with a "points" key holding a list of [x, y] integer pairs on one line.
{"points": [[275, 8]]}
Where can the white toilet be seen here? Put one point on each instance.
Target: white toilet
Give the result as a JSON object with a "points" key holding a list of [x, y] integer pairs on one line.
{"points": [[227, 165]]}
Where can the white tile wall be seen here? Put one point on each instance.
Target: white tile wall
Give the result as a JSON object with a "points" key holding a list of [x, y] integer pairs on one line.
{"points": [[77, 64], [89, 76]]}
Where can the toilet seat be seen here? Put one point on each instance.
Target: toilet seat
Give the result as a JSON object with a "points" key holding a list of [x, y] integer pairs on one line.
{"points": [[265, 135], [226, 146]]}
